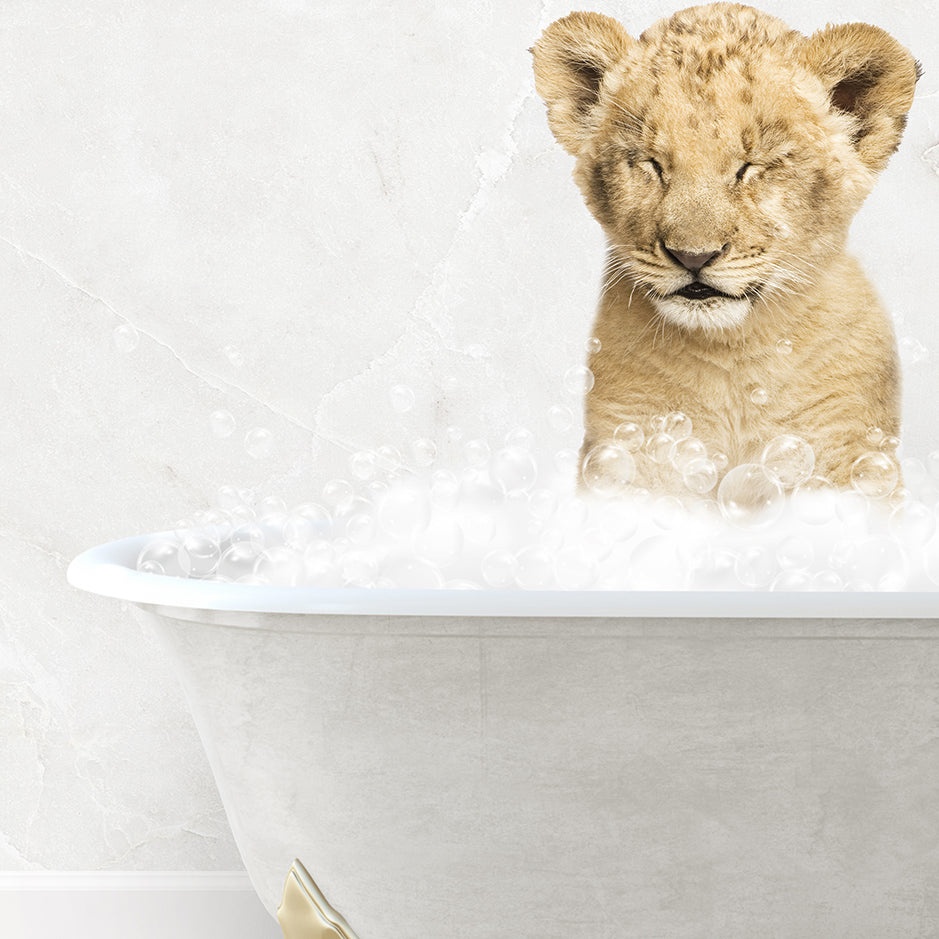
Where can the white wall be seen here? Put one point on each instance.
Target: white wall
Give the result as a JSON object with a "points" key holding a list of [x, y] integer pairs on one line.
{"points": [[347, 196], [143, 904]]}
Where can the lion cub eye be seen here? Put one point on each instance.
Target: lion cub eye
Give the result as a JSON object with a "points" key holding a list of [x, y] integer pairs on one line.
{"points": [[655, 166], [744, 172]]}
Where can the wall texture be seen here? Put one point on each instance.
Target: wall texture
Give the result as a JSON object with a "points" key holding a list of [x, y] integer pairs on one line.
{"points": [[284, 208]]}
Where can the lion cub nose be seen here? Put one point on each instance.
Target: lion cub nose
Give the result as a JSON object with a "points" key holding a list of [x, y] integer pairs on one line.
{"points": [[692, 260]]}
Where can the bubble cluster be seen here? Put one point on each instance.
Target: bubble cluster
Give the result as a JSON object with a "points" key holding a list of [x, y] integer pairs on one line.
{"points": [[519, 513]]}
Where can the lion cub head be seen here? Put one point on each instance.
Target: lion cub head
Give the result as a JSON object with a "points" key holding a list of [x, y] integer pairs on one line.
{"points": [[723, 153]]}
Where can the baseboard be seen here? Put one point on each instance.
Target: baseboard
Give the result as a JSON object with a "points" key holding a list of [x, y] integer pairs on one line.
{"points": [[142, 904]]}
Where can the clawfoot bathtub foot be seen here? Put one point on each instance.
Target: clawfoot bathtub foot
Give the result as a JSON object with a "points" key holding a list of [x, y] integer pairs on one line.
{"points": [[304, 912]]}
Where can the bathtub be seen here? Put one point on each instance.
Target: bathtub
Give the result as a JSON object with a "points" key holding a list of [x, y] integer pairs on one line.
{"points": [[456, 764]]}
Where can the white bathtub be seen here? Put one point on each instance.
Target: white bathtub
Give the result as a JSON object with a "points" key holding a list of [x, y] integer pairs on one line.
{"points": [[543, 765]]}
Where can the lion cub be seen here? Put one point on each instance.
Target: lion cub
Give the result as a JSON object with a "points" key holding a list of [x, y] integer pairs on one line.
{"points": [[725, 155]]}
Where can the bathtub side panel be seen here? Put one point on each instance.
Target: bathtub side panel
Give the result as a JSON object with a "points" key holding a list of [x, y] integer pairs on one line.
{"points": [[538, 786]]}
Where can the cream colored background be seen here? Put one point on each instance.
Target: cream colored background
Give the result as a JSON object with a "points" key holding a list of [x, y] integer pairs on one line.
{"points": [[346, 195]]}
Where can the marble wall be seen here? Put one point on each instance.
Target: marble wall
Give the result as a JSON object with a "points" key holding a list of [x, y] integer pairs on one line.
{"points": [[281, 209]]}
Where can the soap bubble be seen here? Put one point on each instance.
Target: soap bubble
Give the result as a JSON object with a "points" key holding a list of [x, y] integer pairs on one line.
{"points": [[319, 568], [280, 566], [534, 568], [784, 347], [593, 345], [305, 524], [337, 493], [814, 501], [126, 338], [199, 554], [441, 542], [238, 560], [403, 511], [659, 447], [827, 580], [271, 525], [162, 556], [572, 514], [792, 579], [608, 469], [401, 398], [889, 444], [874, 436], [271, 505], [363, 464], [749, 498], [914, 472], [913, 523], [629, 435], [931, 559], [677, 425], [222, 423], [247, 532], [361, 528], [560, 418], [720, 460], [566, 462], [578, 380], [686, 451], [876, 561], [477, 452], [542, 504], [755, 566], [359, 568], [234, 356], [259, 443], [498, 568], [795, 552], [514, 468], [759, 395], [228, 497], [520, 437], [424, 451], [852, 508], [700, 476], [388, 458], [874, 474], [444, 488], [788, 460]]}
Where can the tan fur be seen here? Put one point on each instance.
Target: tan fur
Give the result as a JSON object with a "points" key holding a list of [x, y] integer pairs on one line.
{"points": [[663, 128]]}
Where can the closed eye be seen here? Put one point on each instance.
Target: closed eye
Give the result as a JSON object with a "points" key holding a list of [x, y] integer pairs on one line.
{"points": [[657, 167], [743, 171]]}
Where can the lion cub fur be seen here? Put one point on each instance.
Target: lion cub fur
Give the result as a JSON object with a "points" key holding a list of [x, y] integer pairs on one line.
{"points": [[722, 147]]}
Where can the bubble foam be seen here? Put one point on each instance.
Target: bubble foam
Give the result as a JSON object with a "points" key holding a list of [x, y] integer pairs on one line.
{"points": [[506, 515]]}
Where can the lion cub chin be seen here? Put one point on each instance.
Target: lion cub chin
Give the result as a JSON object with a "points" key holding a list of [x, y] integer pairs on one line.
{"points": [[725, 155]]}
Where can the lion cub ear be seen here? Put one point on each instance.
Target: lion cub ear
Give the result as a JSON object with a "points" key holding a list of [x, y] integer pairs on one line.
{"points": [[870, 76], [571, 58]]}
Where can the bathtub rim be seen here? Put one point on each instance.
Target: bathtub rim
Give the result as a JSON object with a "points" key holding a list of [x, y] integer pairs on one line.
{"points": [[109, 570]]}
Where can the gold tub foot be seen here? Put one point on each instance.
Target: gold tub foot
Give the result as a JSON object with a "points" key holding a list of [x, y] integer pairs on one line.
{"points": [[304, 912]]}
